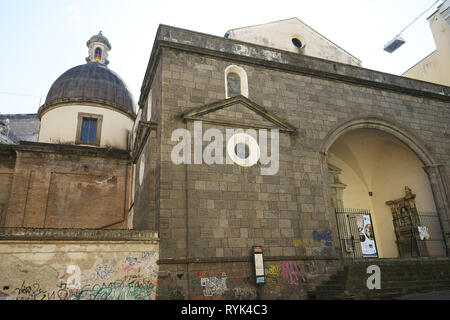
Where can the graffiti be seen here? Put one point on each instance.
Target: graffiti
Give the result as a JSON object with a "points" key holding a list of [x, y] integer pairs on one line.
{"points": [[297, 243], [74, 281], [33, 292], [272, 274], [214, 286], [319, 252], [102, 272], [107, 280], [324, 235], [137, 260], [63, 292], [290, 272], [5, 296], [118, 290], [241, 293], [236, 276], [135, 263], [273, 270], [175, 292]]}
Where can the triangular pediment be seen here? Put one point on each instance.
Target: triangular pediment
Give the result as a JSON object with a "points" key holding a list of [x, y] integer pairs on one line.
{"points": [[240, 112], [279, 35]]}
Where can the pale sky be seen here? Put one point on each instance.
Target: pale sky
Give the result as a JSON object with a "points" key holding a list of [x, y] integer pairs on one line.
{"points": [[41, 39]]}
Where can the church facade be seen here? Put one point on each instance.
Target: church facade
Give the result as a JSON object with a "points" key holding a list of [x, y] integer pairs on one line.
{"points": [[349, 141], [238, 143]]}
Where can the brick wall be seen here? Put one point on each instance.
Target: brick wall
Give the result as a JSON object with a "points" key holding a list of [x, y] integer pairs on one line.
{"points": [[61, 189]]}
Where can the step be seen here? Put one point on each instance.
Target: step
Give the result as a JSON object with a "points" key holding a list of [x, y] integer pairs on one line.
{"points": [[388, 293], [385, 285]]}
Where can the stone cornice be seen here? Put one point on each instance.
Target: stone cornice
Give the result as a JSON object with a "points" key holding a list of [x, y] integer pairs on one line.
{"points": [[242, 259], [86, 102], [142, 134], [31, 234], [26, 146], [238, 51]]}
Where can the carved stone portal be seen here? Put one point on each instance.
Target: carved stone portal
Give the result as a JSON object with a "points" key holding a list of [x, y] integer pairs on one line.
{"points": [[337, 187], [406, 223]]}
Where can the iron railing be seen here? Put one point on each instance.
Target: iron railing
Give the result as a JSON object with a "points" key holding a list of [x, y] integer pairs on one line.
{"points": [[431, 236], [350, 233], [425, 236]]}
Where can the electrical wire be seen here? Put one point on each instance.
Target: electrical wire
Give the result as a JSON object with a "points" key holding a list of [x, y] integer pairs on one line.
{"points": [[380, 48], [418, 18], [20, 94]]}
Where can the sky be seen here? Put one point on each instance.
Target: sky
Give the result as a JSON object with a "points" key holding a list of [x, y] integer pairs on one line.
{"points": [[41, 39]]}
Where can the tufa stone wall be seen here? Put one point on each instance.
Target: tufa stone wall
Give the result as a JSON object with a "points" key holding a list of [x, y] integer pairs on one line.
{"points": [[213, 214]]}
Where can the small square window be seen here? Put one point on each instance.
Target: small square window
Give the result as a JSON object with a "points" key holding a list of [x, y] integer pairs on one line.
{"points": [[89, 129]]}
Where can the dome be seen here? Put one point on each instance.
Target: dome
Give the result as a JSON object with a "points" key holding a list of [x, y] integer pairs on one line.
{"points": [[92, 82]]}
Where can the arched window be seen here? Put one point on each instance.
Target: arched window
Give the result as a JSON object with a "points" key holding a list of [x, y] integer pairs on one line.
{"points": [[236, 82], [98, 54]]}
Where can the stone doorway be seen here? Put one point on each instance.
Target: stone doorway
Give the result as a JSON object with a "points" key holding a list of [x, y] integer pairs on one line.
{"points": [[367, 168]]}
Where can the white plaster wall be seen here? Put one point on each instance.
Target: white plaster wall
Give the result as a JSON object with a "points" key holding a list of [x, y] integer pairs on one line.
{"points": [[107, 270], [59, 125], [279, 35], [435, 67]]}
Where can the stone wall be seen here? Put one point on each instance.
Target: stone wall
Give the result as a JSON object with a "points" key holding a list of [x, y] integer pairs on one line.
{"points": [[213, 214], [25, 127], [146, 202], [65, 188], [285, 279], [77, 265]]}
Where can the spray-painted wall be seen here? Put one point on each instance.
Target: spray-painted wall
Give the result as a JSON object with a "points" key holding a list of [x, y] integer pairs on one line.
{"points": [[65, 270], [285, 279]]}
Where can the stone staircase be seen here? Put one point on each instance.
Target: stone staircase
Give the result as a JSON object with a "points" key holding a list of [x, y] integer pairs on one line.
{"points": [[399, 277]]}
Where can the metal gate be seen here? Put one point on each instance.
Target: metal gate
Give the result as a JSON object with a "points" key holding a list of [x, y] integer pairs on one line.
{"points": [[430, 233], [353, 235], [419, 235]]}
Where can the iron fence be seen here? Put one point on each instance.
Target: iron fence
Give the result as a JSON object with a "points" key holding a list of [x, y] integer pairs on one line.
{"points": [[430, 234], [422, 235], [355, 238]]}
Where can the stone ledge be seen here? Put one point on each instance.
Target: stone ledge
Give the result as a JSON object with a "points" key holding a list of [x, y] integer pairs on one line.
{"points": [[30, 234], [65, 149], [241, 259]]}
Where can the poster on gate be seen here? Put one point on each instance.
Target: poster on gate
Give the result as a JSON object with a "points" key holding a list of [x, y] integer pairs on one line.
{"points": [[366, 236]]}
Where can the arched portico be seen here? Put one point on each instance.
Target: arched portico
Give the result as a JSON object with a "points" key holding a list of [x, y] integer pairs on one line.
{"points": [[376, 154]]}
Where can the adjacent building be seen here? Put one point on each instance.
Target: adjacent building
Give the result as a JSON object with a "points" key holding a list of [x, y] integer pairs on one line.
{"points": [[436, 66], [65, 197]]}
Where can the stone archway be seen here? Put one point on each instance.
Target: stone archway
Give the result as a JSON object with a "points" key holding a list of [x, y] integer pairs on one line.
{"points": [[394, 134]]}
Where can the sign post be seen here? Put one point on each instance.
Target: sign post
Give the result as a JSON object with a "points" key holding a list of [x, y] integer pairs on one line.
{"points": [[258, 263]]}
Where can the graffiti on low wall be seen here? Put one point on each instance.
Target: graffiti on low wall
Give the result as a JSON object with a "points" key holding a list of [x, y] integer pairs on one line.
{"points": [[323, 236], [214, 286], [288, 272], [123, 276], [228, 282], [291, 272]]}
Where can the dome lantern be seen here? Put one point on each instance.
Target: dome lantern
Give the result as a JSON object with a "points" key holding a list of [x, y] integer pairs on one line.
{"points": [[99, 48]]}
